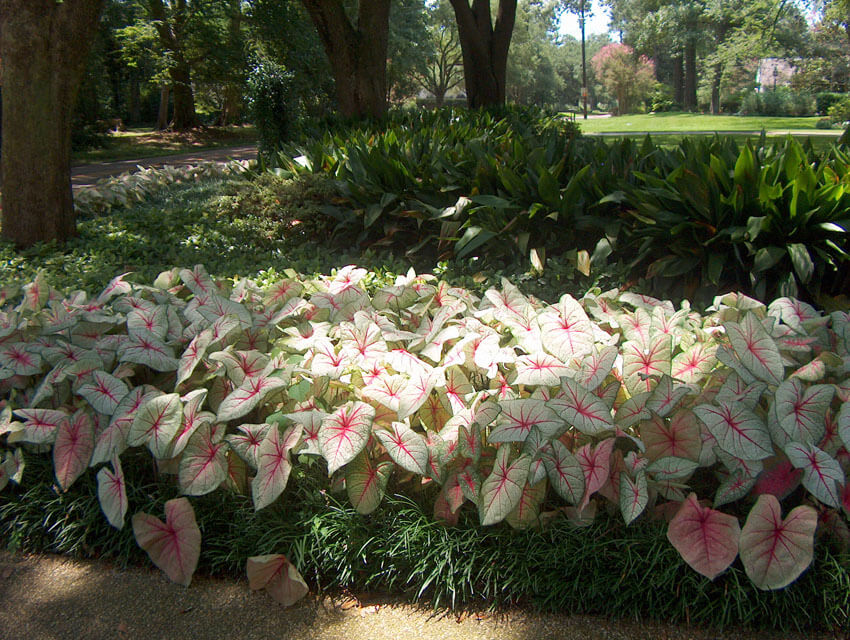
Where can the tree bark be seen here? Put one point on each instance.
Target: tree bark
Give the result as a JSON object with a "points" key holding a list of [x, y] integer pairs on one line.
{"points": [[162, 115], [485, 49], [358, 54], [678, 81], [43, 45], [690, 97], [715, 89], [170, 33]]}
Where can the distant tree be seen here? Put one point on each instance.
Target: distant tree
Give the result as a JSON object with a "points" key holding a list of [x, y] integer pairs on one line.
{"points": [[43, 46], [409, 45], [627, 77], [532, 76], [442, 68]]}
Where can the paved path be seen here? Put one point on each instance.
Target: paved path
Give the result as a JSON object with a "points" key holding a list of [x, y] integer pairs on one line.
{"points": [[90, 173], [54, 598]]}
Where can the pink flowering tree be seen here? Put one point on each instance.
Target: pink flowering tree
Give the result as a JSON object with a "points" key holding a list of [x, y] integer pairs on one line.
{"points": [[627, 77]]}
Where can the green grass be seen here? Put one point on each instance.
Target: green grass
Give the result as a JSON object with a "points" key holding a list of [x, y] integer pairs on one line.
{"points": [[695, 122]]}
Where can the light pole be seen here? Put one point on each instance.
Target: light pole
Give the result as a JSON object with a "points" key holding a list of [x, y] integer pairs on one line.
{"points": [[583, 62]]}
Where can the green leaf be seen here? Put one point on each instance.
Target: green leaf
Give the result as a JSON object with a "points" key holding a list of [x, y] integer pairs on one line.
{"points": [[502, 490], [802, 261]]}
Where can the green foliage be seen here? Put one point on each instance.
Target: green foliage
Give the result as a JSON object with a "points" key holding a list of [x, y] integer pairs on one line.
{"points": [[824, 100], [274, 104], [781, 101], [839, 110]]}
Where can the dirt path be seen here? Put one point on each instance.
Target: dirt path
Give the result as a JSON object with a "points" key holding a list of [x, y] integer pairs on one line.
{"points": [[49, 597], [88, 174]]}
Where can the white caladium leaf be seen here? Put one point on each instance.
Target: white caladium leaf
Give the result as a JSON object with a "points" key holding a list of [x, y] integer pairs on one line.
{"points": [[146, 349], [643, 365], [213, 308], [282, 291], [775, 551], [198, 281], [794, 313], [277, 575], [248, 395], [581, 409], [693, 364], [738, 431], [519, 416], [678, 436], [406, 447], [117, 286], [705, 538], [103, 392], [193, 417], [366, 482], [174, 545], [844, 424], [41, 425], [112, 493], [666, 396], [152, 321], [246, 443], [362, 345], [386, 390], [273, 464], [241, 364], [634, 495], [112, 441], [565, 473], [822, 475], [669, 468], [326, 361], [527, 513], [801, 412], [502, 490], [596, 366], [156, 423], [633, 410], [193, 354], [344, 433], [736, 391], [734, 486], [457, 388], [756, 349], [540, 370], [73, 448], [566, 330], [18, 360], [203, 465], [311, 421], [469, 441], [595, 463], [417, 392]]}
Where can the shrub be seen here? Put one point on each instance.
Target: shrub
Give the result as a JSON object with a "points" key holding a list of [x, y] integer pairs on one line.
{"points": [[627, 77], [839, 111], [824, 100], [823, 123], [781, 101], [273, 103]]}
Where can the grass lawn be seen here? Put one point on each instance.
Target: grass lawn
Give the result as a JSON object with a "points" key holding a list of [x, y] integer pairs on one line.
{"points": [[147, 143], [695, 122]]}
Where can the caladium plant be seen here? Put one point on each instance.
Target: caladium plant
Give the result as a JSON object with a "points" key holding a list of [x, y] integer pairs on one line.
{"points": [[506, 406]]}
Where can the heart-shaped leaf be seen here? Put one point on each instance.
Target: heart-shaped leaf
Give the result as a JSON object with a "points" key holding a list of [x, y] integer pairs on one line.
{"points": [[666, 397], [595, 464], [156, 423], [112, 493], [705, 538], [248, 395], [526, 513], [634, 495], [596, 366], [203, 465], [502, 490], [174, 545], [41, 425], [693, 364], [345, 432], [775, 551], [738, 430], [756, 349], [73, 448], [273, 464], [247, 442], [277, 575], [565, 473], [112, 441], [678, 437], [540, 370], [103, 392], [566, 330], [643, 364], [801, 412], [406, 447], [581, 409], [822, 475], [145, 348], [366, 482], [518, 417]]}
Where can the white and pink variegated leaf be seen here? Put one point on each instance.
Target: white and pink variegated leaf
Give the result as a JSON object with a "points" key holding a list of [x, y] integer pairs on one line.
{"points": [[103, 392], [366, 482], [507, 303], [670, 468], [565, 473], [241, 364], [198, 281], [666, 396], [822, 475], [525, 331], [469, 482], [643, 365], [734, 486], [678, 436], [387, 391], [174, 545], [311, 421], [756, 349], [214, 308], [736, 391], [801, 412], [148, 350], [502, 490], [344, 433], [16, 358], [112, 441], [634, 495], [566, 330], [282, 291], [469, 441], [417, 392], [248, 395], [519, 416], [705, 538], [362, 345], [581, 408], [843, 421], [487, 355], [403, 361], [273, 464], [246, 443], [156, 423], [738, 431], [458, 388], [395, 297], [73, 448], [793, 313], [633, 410], [193, 354], [193, 417], [596, 366], [152, 321], [637, 326], [435, 412], [775, 551], [117, 286], [406, 447], [595, 464], [112, 493], [527, 513], [693, 364], [453, 493], [277, 575], [203, 465], [41, 425], [326, 361], [540, 369]]}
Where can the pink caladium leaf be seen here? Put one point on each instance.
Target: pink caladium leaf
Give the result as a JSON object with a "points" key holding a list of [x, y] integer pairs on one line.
{"points": [[246, 443], [801, 412], [518, 417], [112, 493], [581, 409], [103, 392], [642, 365], [738, 431], [734, 486], [277, 575], [174, 545], [527, 513], [406, 447], [311, 421], [566, 330], [502, 490], [193, 354], [273, 464], [705, 538], [666, 397], [671, 468], [779, 478], [822, 475], [633, 410], [366, 482], [248, 395], [18, 360], [193, 418], [156, 423], [678, 436], [595, 464], [540, 370], [843, 421], [148, 350], [152, 321], [112, 441], [73, 448], [775, 551], [756, 349], [693, 364], [41, 425], [469, 441], [596, 366], [634, 495], [203, 465], [344, 433]]}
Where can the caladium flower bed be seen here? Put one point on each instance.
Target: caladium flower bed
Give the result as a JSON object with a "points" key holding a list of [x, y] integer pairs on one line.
{"points": [[732, 426]]}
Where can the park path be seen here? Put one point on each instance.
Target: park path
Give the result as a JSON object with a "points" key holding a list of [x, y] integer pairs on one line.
{"points": [[88, 174], [46, 597]]}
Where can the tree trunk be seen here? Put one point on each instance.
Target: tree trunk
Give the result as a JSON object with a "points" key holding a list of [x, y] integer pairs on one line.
{"points": [[184, 116], [358, 55], [43, 45], [678, 81], [485, 49], [715, 89], [690, 97], [162, 116], [171, 36]]}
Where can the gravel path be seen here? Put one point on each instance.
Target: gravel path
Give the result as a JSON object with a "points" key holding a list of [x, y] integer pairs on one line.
{"points": [[50, 597]]}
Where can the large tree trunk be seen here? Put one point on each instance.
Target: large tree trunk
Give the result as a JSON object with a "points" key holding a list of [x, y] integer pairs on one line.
{"points": [[172, 39], [184, 116], [485, 49], [358, 54], [43, 45], [690, 97], [162, 115], [715, 89], [678, 81]]}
